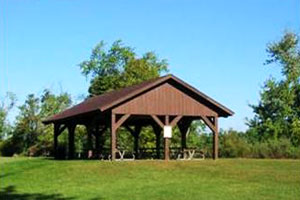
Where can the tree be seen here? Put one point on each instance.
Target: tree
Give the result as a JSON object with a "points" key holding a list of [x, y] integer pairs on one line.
{"points": [[278, 112], [29, 134], [28, 124], [119, 67], [7, 104], [51, 104]]}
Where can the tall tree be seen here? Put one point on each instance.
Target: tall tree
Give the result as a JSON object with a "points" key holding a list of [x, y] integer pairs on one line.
{"points": [[28, 125], [278, 112], [119, 67], [51, 104], [29, 130], [7, 103]]}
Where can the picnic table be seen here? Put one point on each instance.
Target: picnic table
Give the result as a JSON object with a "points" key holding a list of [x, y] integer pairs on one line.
{"points": [[189, 154], [122, 154]]}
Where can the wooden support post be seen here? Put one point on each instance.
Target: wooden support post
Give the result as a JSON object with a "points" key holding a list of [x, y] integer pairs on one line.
{"points": [[58, 129], [136, 135], [183, 131], [113, 138], [100, 139], [71, 129], [98, 133], [114, 126], [183, 128], [167, 148], [90, 137], [157, 130], [215, 139], [97, 139], [167, 141], [212, 123], [55, 145], [136, 145], [137, 131], [183, 140]]}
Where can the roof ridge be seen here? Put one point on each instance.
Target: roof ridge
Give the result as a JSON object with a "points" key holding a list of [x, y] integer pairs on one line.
{"points": [[130, 86], [147, 84]]}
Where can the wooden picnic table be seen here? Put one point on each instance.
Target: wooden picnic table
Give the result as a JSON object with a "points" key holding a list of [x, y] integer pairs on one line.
{"points": [[189, 154]]}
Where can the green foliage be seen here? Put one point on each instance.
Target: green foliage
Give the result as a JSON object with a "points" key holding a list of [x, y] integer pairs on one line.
{"points": [[80, 138], [29, 135], [28, 123], [11, 146], [233, 144], [119, 67], [278, 113], [7, 103], [286, 52], [125, 140], [281, 148], [50, 104], [147, 138]]}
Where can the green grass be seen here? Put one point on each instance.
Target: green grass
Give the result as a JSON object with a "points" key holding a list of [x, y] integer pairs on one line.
{"points": [[38, 178]]}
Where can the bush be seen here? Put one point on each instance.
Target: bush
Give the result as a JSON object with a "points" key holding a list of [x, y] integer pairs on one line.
{"points": [[281, 148], [233, 145], [10, 146], [32, 151], [260, 150], [294, 152], [236, 144]]}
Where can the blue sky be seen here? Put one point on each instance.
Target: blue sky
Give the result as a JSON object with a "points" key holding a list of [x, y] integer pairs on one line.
{"points": [[216, 46]]}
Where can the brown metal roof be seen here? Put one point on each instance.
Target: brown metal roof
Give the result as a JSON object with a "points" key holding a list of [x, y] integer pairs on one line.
{"points": [[108, 100]]}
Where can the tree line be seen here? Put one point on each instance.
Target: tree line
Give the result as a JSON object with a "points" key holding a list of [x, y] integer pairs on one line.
{"points": [[273, 132]]}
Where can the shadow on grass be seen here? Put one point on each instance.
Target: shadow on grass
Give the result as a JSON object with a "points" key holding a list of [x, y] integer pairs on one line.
{"points": [[5, 175], [23, 167], [10, 193]]}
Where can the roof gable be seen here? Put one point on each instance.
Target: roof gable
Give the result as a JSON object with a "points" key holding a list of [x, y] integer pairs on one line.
{"points": [[111, 99], [164, 99]]}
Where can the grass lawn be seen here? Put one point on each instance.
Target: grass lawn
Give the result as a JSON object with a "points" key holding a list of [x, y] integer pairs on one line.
{"points": [[38, 178]]}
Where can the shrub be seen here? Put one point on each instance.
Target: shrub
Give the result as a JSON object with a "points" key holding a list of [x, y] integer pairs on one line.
{"points": [[281, 148], [32, 151], [260, 150], [10, 146], [233, 145]]}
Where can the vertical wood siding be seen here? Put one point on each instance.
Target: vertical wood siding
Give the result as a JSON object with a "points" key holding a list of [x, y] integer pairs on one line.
{"points": [[164, 100]]}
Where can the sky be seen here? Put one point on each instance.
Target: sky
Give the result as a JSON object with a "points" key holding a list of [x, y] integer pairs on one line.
{"points": [[218, 47]]}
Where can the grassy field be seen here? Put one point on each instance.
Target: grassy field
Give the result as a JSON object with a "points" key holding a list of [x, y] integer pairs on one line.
{"points": [[38, 178]]}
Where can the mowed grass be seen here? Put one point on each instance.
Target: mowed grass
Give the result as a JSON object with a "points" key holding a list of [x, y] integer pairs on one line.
{"points": [[38, 178]]}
